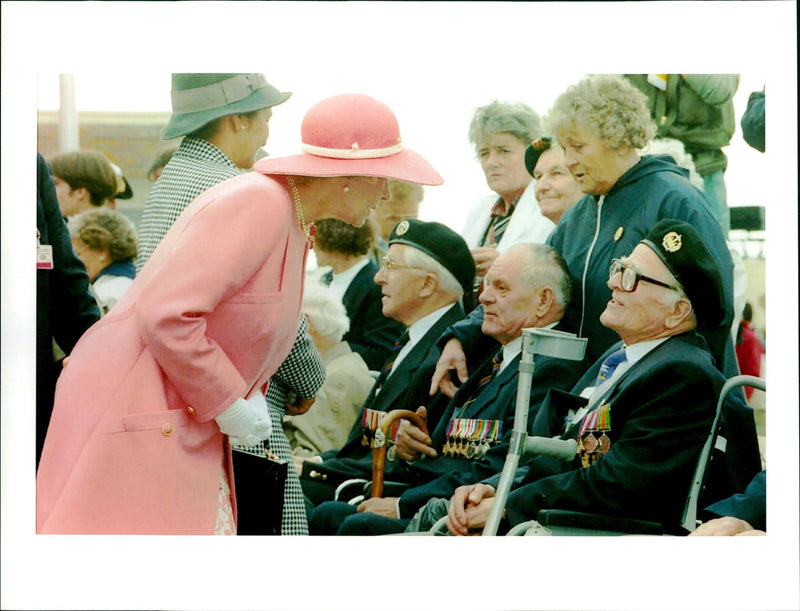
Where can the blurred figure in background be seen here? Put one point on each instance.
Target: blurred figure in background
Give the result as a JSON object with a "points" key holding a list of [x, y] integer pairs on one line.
{"points": [[84, 179], [105, 240], [65, 307], [696, 109], [749, 348], [124, 190], [344, 248], [754, 124], [159, 161], [404, 204], [347, 379]]}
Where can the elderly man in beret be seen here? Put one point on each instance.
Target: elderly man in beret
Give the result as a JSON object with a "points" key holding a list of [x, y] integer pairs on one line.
{"points": [[423, 277], [526, 286], [642, 413]]}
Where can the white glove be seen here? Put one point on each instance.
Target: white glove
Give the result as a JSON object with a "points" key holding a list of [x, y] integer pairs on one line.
{"points": [[247, 421]]}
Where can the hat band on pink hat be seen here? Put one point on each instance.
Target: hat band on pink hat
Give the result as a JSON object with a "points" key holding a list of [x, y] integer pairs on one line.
{"points": [[352, 153], [216, 95]]}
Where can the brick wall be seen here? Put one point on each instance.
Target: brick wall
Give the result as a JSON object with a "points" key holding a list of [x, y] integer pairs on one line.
{"points": [[129, 139]]}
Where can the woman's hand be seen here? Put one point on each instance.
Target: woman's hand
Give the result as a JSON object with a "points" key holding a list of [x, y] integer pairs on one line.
{"points": [[452, 358], [247, 421], [299, 406]]}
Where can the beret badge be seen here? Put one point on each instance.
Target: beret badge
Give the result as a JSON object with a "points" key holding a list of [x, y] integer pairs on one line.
{"points": [[401, 228], [672, 242]]}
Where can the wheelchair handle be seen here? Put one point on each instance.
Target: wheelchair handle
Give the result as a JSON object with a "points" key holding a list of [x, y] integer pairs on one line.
{"points": [[379, 444]]}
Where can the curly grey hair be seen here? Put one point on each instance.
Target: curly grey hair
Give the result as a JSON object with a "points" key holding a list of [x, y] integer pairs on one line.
{"points": [[609, 105]]}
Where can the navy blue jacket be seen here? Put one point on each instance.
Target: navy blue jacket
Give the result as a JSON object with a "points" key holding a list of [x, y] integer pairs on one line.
{"points": [[750, 505], [440, 476], [661, 414]]}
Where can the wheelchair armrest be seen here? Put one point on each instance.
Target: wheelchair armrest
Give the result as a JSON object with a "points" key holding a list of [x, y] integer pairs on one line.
{"points": [[520, 529], [551, 518], [348, 484]]}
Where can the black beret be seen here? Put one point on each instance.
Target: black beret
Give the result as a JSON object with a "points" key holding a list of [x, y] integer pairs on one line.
{"points": [[441, 243], [534, 151], [683, 251]]}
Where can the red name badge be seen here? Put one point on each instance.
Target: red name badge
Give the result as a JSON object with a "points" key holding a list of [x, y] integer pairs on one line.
{"points": [[44, 256]]}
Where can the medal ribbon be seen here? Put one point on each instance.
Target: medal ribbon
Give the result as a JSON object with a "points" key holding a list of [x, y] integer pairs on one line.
{"points": [[589, 423]]}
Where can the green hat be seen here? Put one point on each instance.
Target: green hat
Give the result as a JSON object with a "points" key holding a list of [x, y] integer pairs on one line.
{"points": [[199, 98], [685, 254], [440, 242]]}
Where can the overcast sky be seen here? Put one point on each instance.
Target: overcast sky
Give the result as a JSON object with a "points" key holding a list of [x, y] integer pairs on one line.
{"points": [[433, 63]]}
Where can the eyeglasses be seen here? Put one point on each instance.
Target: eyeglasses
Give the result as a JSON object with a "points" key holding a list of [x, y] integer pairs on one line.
{"points": [[630, 277], [391, 264]]}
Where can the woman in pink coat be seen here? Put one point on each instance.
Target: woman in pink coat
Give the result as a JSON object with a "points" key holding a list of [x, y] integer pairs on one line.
{"points": [[155, 393]]}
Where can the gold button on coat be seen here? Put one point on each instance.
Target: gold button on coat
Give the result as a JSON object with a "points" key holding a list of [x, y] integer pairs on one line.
{"points": [[167, 429], [190, 409]]}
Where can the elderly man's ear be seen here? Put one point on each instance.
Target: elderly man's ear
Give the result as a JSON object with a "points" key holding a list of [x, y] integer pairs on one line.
{"points": [[681, 313], [546, 297], [430, 286]]}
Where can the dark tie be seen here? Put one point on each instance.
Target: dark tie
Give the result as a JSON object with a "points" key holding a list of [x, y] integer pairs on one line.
{"points": [[387, 368], [497, 359]]}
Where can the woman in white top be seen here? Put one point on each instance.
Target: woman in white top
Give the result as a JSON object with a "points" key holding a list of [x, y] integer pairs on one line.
{"points": [[105, 240], [500, 132]]}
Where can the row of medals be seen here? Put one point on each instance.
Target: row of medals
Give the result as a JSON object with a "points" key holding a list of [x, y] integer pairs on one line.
{"points": [[466, 448]]}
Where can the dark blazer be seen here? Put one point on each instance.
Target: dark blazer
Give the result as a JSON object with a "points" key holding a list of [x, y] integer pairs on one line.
{"points": [[661, 414], [65, 307], [371, 334], [750, 506], [406, 388], [440, 476]]}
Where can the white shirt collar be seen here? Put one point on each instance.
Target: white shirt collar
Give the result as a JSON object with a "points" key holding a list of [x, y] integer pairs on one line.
{"points": [[639, 350], [417, 331]]}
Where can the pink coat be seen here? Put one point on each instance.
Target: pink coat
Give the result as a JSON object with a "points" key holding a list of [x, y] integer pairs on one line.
{"points": [[132, 445]]}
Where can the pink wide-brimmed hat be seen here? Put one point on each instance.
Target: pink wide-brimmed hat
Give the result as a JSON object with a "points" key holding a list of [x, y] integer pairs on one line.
{"points": [[352, 135]]}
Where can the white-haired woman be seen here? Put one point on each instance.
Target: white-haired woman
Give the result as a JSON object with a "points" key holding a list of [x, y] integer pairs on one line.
{"points": [[347, 379]]}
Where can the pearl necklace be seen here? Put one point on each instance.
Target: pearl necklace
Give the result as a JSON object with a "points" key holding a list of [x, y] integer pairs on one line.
{"points": [[298, 207]]}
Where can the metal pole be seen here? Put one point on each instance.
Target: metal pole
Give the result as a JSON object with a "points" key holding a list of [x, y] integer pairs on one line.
{"points": [[518, 436], [68, 130]]}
